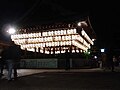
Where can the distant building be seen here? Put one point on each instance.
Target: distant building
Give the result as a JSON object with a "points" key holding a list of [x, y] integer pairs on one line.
{"points": [[3, 44]]}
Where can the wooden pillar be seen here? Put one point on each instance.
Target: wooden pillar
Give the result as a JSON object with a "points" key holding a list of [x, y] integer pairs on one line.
{"points": [[35, 54], [60, 49], [75, 49], [53, 50], [25, 53]]}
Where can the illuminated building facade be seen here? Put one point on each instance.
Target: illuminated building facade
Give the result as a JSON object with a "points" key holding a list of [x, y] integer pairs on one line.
{"points": [[76, 36]]}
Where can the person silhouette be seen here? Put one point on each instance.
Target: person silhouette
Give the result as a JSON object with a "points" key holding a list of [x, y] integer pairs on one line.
{"points": [[12, 56]]}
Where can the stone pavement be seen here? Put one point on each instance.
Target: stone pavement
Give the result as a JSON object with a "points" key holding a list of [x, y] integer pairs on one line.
{"points": [[25, 72], [60, 79]]}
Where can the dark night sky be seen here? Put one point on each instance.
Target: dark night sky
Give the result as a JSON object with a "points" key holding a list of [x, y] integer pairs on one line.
{"points": [[104, 16]]}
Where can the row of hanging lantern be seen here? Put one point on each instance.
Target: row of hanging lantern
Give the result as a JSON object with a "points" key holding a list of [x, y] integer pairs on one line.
{"points": [[48, 33], [55, 38]]}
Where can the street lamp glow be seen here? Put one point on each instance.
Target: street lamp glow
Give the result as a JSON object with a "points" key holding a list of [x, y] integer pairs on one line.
{"points": [[11, 30], [102, 50], [79, 23]]}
